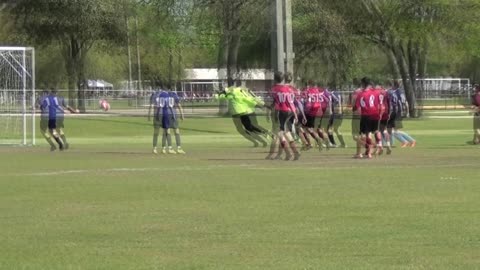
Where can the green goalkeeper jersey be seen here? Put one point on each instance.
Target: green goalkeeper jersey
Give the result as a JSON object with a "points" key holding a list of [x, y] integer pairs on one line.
{"points": [[240, 100]]}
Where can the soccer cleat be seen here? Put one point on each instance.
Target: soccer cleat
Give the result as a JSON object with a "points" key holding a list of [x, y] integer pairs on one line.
{"points": [[288, 157], [359, 156], [296, 156], [180, 151], [164, 150], [389, 151], [155, 151], [67, 146], [53, 148], [171, 151], [413, 144], [404, 145]]}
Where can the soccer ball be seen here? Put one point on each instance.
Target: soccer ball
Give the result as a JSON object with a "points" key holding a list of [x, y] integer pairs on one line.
{"points": [[104, 105]]}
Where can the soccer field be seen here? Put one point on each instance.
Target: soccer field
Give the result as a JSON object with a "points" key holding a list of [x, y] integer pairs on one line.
{"points": [[109, 203]]}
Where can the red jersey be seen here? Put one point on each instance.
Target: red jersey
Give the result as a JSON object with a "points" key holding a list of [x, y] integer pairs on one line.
{"points": [[367, 101], [312, 101], [283, 97], [383, 104], [324, 99], [353, 100]]}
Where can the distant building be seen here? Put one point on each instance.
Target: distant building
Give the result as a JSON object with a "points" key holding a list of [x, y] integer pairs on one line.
{"points": [[201, 80]]}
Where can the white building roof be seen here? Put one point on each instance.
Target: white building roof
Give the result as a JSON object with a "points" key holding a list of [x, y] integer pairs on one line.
{"points": [[210, 74]]}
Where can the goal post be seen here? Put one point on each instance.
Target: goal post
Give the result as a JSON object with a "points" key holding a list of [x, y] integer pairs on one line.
{"points": [[17, 96]]}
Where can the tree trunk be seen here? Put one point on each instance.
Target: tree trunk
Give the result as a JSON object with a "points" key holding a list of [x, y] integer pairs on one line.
{"points": [[407, 82]]}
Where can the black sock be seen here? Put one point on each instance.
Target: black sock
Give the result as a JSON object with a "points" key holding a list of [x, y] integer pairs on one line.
{"points": [[60, 144], [331, 138]]}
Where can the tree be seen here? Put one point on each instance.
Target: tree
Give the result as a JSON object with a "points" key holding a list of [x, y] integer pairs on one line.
{"points": [[76, 26]]}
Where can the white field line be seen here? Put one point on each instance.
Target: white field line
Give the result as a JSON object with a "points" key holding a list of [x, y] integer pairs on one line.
{"points": [[283, 166]]}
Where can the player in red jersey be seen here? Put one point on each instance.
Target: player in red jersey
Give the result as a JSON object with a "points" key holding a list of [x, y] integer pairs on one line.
{"points": [[313, 110], [283, 101], [367, 102], [356, 118], [297, 127], [322, 129], [381, 133]]}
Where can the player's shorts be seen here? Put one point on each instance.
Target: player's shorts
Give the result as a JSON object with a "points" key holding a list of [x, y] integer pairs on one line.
{"points": [[393, 120], [43, 124], [476, 121], [165, 122], [355, 125], [310, 121], [169, 121], [284, 119], [52, 123], [367, 125]]}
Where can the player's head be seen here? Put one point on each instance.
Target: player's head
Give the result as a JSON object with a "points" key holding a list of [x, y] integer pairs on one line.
{"points": [[53, 91], [288, 77], [477, 88], [278, 77], [365, 82], [395, 84], [310, 82]]}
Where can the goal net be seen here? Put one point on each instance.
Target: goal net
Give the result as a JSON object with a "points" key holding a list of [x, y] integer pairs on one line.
{"points": [[17, 96]]}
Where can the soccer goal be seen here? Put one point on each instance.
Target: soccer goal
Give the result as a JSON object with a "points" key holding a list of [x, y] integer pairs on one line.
{"points": [[17, 96]]}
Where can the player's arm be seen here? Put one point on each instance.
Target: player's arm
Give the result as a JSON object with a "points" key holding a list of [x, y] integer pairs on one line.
{"points": [[150, 108], [180, 110]]}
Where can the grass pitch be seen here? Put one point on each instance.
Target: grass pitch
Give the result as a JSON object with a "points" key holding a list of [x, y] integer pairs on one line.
{"points": [[108, 203]]}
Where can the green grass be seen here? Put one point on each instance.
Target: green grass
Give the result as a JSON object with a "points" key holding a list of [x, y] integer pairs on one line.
{"points": [[108, 203]]}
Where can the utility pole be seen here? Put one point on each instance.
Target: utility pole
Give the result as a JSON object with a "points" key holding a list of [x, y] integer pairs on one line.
{"points": [[139, 66], [282, 36], [289, 55], [129, 52], [278, 57]]}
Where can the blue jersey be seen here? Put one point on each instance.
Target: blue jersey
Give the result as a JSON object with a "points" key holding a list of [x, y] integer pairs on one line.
{"points": [[336, 102], [43, 106], [396, 100], [165, 103], [51, 105]]}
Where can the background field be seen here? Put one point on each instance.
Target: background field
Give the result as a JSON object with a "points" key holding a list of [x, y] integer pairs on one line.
{"points": [[108, 203]]}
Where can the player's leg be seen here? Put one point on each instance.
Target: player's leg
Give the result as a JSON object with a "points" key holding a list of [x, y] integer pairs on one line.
{"points": [[178, 139], [476, 128], [156, 134], [52, 126], [61, 132], [331, 138], [290, 139], [409, 141], [46, 133], [337, 123], [241, 130], [252, 130]]}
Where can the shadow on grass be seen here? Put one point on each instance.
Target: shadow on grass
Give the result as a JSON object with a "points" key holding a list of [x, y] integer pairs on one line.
{"points": [[146, 123]]}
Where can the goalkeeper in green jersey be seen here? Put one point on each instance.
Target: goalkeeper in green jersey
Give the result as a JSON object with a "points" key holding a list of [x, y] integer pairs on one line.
{"points": [[242, 104]]}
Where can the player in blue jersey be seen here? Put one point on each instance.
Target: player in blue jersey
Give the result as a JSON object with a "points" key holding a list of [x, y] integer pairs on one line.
{"points": [[336, 119], [44, 119], [165, 104], [398, 108], [51, 106], [61, 118]]}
